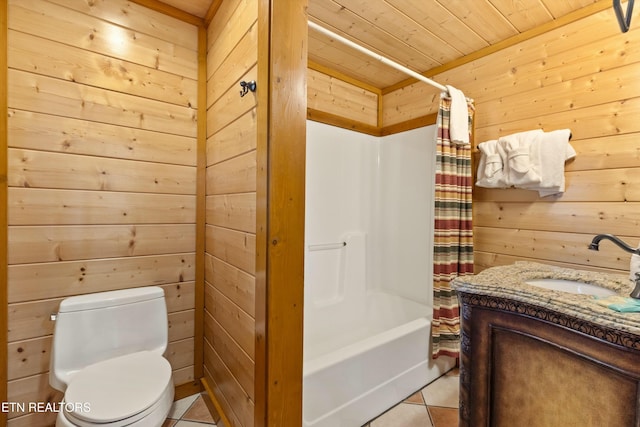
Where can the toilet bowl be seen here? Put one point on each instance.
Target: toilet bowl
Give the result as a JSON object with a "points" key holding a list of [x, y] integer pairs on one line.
{"points": [[107, 359]]}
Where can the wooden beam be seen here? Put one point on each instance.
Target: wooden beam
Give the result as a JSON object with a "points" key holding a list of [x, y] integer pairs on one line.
{"points": [[593, 8], [338, 75], [4, 110], [341, 122], [211, 12], [418, 122], [169, 10], [262, 194], [282, 110], [201, 200]]}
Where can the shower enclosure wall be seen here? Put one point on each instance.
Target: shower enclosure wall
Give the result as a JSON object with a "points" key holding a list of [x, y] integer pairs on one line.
{"points": [[368, 273]]}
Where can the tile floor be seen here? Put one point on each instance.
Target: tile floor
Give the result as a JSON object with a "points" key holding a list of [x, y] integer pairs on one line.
{"points": [[190, 412], [436, 405]]}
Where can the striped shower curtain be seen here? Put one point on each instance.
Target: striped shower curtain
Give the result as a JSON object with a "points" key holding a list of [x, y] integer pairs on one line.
{"points": [[453, 237]]}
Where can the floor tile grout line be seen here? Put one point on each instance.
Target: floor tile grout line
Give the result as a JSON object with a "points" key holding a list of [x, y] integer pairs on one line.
{"points": [[202, 423]]}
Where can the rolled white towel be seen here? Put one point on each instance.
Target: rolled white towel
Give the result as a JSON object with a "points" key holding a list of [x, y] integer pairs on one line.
{"points": [[553, 151], [521, 151], [634, 266], [491, 166], [458, 116]]}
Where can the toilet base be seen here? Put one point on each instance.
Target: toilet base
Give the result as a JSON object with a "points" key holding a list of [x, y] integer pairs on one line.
{"points": [[153, 419]]}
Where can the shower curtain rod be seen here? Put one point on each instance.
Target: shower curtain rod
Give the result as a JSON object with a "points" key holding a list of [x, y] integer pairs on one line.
{"points": [[378, 57]]}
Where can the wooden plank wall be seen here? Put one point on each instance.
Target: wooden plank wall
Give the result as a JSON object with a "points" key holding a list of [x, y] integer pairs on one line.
{"points": [[583, 76], [340, 101], [229, 319], [102, 176]]}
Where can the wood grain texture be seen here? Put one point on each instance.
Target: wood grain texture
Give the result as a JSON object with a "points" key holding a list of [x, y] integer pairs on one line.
{"points": [[230, 105], [37, 169], [47, 95], [234, 211], [31, 244], [44, 56], [330, 94], [280, 212], [53, 133], [237, 361], [102, 123], [229, 325], [237, 138], [33, 206], [236, 175], [233, 247], [3, 202], [65, 278], [235, 284], [68, 26], [579, 75], [228, 73]]}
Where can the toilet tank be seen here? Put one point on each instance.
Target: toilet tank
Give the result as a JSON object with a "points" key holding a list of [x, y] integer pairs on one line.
{"points": [[95, 327]]}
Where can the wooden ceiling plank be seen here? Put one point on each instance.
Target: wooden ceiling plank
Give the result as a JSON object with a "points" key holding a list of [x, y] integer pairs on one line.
{"points": [[389, 19], [432, 16], [577, 15], [344, 22], [561, 8], [483, 18], [524, 14], [324, 51]]}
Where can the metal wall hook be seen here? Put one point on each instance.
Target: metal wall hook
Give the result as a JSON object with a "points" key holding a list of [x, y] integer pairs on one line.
{"points": [[247, 86], [623, 21]]}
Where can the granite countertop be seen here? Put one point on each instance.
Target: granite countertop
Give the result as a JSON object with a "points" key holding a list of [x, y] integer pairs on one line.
{"points": [[509, 282]]}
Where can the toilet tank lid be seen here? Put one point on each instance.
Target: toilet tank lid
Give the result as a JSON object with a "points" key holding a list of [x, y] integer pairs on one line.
{"points": [[110, 299]]}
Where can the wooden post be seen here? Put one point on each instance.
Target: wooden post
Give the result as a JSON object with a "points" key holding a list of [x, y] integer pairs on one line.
{"points": [[3, 207], [198, 365], [282, 110]]}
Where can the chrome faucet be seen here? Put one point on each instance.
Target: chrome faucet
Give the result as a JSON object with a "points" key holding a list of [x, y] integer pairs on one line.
{"points": [[595, 245]]}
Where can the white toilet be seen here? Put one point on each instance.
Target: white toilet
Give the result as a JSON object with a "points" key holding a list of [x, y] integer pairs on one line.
{"points": [[107, 359]]}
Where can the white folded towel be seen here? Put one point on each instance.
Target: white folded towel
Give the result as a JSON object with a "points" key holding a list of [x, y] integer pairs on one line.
{"points": [[522, 158], [533, 160], [458, 116], [553, 151], [634, 267], [491, 166]]}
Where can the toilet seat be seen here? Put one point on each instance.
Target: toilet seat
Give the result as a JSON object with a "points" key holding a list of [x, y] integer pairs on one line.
{"points": [[119, 391]]}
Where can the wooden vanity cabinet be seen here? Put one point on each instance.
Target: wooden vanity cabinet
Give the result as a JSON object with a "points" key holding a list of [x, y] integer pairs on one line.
{"points": [[524, 365]]}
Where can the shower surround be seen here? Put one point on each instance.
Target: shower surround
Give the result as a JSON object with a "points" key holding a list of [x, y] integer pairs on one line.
{"points": [[368, 273]]}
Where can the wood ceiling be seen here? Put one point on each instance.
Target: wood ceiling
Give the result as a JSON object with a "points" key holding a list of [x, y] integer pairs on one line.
{"points": [[420, 34]]}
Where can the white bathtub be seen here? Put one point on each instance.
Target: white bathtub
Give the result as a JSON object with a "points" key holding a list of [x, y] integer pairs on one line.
{"points": [[368, 273], [362, 358]]}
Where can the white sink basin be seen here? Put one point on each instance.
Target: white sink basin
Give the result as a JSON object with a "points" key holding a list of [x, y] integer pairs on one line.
{"points": [[571, 286]]}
